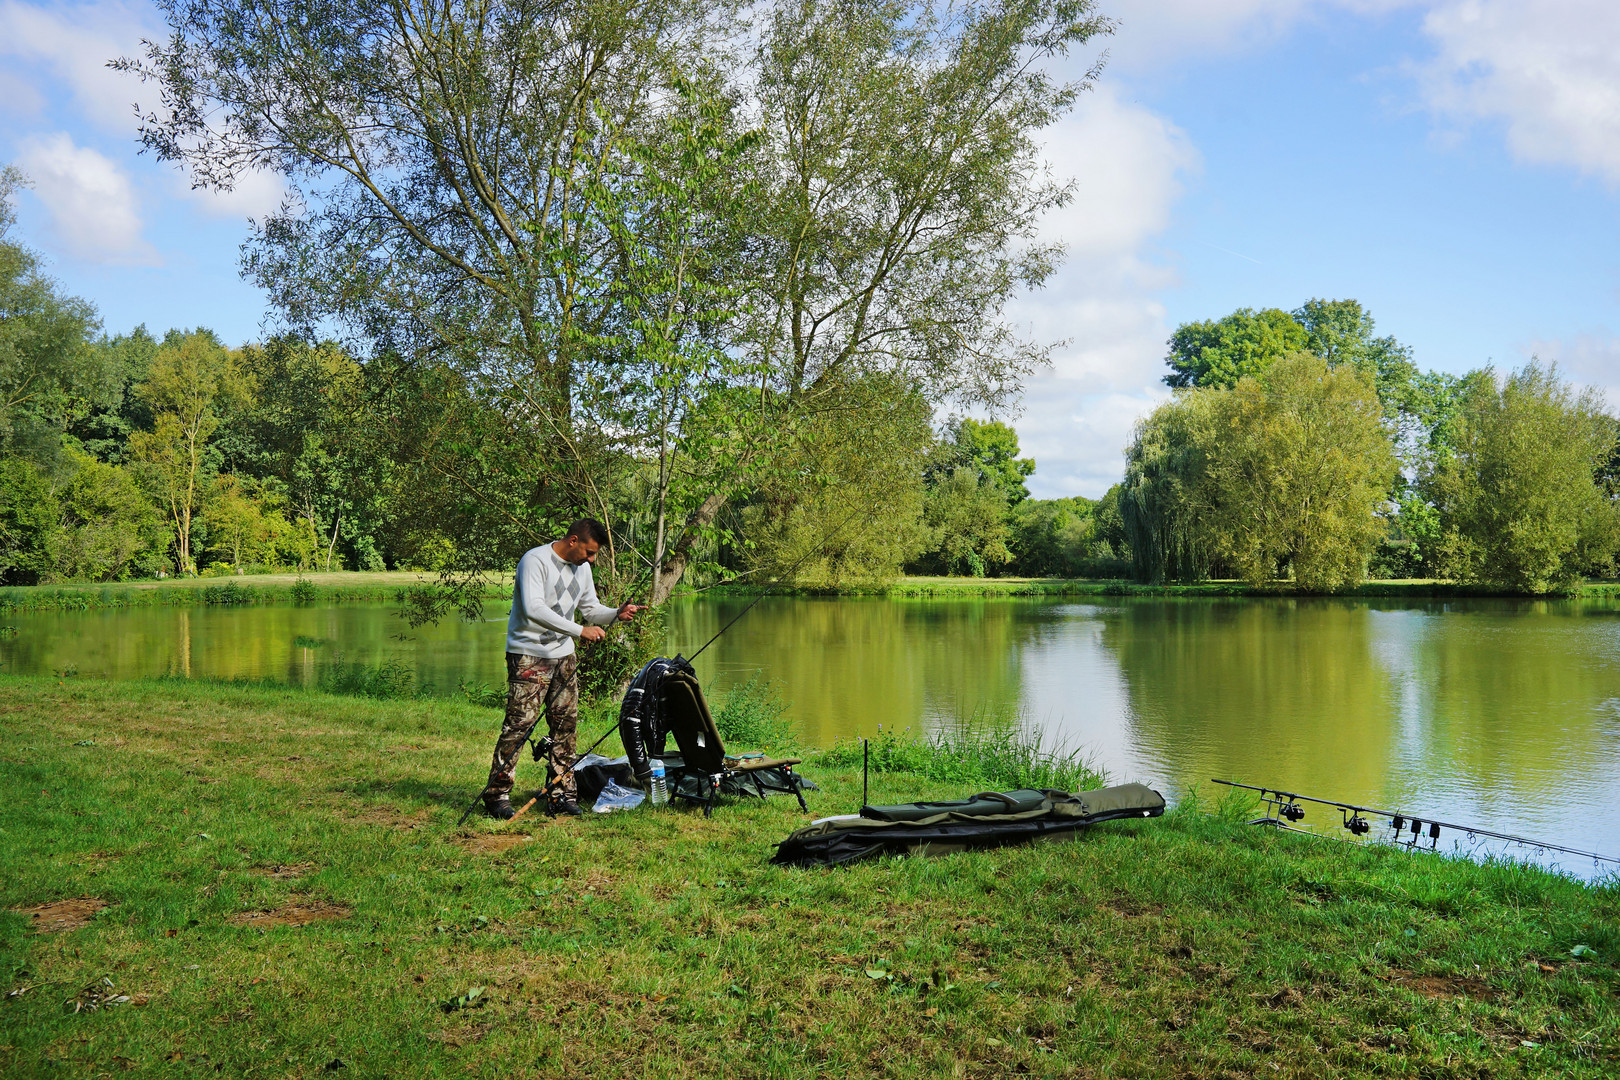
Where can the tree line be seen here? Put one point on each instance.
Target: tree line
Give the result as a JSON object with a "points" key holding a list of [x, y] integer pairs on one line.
{"points": [[137, 456], [1300, 446], [708, 272]]}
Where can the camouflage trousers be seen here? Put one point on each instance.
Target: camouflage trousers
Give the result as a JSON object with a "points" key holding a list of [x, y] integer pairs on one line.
{"points": [[530, 683]]}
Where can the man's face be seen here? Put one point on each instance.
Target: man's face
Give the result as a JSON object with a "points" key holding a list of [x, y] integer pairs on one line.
{"points": [[578, 551]]}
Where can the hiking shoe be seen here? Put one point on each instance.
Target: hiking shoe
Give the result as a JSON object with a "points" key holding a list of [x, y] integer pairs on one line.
{"points": [[562, 804], [500, 809]]}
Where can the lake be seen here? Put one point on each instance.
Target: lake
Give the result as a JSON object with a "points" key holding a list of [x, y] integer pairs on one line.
{"points": [[1498, 713]]}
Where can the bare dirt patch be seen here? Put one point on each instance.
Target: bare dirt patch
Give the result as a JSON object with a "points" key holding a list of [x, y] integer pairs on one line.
{"points": [[389, 817], [282, 871], [62, 915], [297, 914], [493, 843], [1440, 986]]}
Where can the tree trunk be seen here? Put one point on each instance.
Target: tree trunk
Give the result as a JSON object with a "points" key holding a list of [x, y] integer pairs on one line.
{"points": [[674, 567]]}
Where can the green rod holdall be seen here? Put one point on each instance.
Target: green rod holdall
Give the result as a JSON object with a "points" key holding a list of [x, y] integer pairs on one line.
{"points": [[986, 820]]}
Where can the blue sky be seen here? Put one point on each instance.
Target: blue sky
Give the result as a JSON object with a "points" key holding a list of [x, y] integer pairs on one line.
{"points": [[1453, 164]]}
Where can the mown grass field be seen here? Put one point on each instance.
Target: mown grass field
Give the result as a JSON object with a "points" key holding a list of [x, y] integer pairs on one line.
{"points": [[275, 881]]}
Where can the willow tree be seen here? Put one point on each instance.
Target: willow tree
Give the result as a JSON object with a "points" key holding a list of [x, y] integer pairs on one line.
{"points": [[1164, 499], [1288, 472], [487, 189], [439, 160], [1298, 473]]}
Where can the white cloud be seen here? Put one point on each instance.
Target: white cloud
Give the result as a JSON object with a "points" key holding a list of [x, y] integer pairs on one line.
{"points": [[94, 213], [1550, 73], [19, 96], [1155, 32], [1128, 163], [74, 42], [1591, 359], [255, 194]]}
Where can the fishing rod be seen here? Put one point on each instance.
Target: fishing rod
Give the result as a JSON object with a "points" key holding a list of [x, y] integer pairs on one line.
{"points": [[1285, 809]]}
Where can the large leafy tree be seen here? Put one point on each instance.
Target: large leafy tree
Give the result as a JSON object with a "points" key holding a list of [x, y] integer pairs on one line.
{"points": [[1219, 352], [903, 185], [444, 162], [193, 381], [1518, 488], [1287, 472], [301, 431], [459, 175], [988, 447], [108, 528]]}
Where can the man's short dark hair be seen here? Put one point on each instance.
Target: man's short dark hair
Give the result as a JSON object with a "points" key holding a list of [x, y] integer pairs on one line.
{"points": [[588, 529]]}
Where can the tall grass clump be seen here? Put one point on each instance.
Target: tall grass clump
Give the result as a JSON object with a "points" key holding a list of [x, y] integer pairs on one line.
{"points": [[1005, 757], [754, 716], [391, 679]]}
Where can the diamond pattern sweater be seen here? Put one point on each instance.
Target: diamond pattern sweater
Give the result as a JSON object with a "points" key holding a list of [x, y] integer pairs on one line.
{"points": [[548, 594]]}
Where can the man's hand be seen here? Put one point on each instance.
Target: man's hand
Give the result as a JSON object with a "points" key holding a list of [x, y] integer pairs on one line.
{"points": [[592, 633], [628, 612]]}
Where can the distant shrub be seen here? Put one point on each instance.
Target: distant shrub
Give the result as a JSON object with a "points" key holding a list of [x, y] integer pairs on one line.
{"points": [[227, 594], [304, 591]]}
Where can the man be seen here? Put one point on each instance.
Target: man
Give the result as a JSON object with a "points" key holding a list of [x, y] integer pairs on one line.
{"points": [[553, 583]]}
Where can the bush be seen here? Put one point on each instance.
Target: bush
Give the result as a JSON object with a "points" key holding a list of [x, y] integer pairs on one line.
{"points": [[607, 666], [754, 716], [391, 679], [488, 695], [1004, 757]]}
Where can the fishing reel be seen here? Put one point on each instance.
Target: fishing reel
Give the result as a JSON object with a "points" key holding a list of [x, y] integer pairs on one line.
{"points": [[1292, 811], [1358, 825], [541, 747]]}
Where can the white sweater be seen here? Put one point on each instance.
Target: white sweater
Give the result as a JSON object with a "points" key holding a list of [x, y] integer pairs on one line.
{"points": [[548, 593]]}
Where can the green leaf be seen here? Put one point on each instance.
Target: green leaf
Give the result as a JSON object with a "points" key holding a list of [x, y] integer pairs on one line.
{"points": [[1582, 951]]}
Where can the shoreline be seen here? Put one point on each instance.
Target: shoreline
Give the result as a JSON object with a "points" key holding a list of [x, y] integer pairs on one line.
{"points": [[393, 585]]}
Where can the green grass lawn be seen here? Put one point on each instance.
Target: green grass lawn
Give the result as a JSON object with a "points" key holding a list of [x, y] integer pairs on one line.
{"points": [[275, 881]]}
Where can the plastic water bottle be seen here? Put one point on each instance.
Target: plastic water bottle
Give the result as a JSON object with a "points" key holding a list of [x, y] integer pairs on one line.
{"points": [[660, 791]]}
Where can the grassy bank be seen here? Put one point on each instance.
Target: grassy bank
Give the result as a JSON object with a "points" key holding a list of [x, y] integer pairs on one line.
{"points": [[256, 589], [275, 881]]}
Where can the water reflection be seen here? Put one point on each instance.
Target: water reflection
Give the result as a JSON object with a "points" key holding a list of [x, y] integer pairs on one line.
{"points": [[850, 665], [1497, 713]]}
